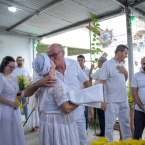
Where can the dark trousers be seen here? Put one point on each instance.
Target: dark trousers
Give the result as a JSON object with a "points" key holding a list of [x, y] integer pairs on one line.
{"points": [[101, 117], [139, 124], [86, 116]]}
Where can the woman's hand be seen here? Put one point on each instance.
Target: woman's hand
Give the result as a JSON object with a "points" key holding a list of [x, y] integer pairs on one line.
{"points": [[22, 95], [15, 105]]}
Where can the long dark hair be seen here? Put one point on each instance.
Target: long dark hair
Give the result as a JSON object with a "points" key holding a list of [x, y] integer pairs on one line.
{"points": [[5, 62]]}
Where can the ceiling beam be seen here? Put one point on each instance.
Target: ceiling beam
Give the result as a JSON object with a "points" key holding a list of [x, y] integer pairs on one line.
{"points": [[16, 33], [137, 11], [120, 3], [131, 6], [83, 23], [136, 3], [34, 14]]}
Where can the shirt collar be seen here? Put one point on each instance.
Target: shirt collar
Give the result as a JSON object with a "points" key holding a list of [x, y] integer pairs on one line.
{"points": [[113, 60], [85, 68], [66, 62]]}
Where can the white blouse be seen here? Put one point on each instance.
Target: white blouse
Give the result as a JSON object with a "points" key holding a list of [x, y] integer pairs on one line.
{"points": [[50, 98]]}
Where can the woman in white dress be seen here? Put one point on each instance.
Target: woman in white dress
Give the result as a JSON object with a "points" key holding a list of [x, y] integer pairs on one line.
{"points": [[11, 128], [57, 124]]}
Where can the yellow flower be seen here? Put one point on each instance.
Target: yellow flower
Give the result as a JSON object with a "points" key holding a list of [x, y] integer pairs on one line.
{"points": [[17, 100], [142, 142], [102, 139], [98, 143]]}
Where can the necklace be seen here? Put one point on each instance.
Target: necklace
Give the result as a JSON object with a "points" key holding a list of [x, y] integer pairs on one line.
{"points": [[11, 83]]}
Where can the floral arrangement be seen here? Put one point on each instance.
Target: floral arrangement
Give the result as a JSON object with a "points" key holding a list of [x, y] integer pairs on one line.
{"points": [[106, 38], [23, 82], [103, 141]]}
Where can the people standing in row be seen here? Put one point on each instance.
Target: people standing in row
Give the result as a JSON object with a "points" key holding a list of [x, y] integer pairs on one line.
{"points": [[113, 77], [11, 128], [100, 112], [21, 70], [81, 61], [138, 93]]}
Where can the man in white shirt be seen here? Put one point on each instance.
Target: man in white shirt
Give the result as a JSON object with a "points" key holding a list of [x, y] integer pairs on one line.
{"points": [[71, 74], [138, 93], [113, 76], [21, 70], [81, 61], [100, 112]]}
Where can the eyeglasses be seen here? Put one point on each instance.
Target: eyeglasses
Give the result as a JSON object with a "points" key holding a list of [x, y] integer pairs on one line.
{"points": [[80, 60], [55, 54], [11, 67], [19, 60]]}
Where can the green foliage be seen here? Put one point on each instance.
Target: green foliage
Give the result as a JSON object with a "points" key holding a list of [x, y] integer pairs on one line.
{"points": [[96, 59], [95, 44], [94, 121]]}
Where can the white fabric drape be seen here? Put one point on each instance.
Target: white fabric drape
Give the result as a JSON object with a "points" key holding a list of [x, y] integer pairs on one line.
{"points": [[92, 96]]}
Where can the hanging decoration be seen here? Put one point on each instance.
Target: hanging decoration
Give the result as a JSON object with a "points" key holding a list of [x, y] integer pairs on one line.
{"points": [[106, 38]]}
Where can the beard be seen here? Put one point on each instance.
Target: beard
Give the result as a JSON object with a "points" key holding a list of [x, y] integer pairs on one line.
{"points": [[20, 64], [143, 68]]}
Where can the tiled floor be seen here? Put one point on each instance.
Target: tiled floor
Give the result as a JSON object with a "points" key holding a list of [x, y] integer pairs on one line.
{"points": [[33, 138]]}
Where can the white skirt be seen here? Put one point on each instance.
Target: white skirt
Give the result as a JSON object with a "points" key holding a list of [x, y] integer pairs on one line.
{"points": [[11, 128], [58, 129]]}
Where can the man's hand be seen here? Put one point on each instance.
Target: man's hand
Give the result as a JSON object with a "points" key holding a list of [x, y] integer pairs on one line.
{"points": [[122, 70], [22, 95], [91, 112], [143, 108], [47, 81], [92, 66], [103, 106]]}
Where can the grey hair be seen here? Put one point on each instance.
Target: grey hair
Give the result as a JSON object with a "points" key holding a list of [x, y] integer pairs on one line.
{"points": [[102, 59], [60, 46]]}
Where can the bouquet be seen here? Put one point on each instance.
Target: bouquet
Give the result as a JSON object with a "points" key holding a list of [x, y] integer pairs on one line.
{"points": [[23, 82]]}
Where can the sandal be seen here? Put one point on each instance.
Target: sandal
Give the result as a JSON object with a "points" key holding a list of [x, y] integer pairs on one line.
{"points": [[37, 129], [32, 129]]}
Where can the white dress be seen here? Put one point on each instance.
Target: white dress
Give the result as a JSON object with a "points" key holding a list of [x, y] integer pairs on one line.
{"points": [[34, 118], [11, 128], [56, 127]]}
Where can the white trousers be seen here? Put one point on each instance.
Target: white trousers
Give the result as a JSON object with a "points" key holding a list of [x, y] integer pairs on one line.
{"points": [[81, 124], [120, 110]]}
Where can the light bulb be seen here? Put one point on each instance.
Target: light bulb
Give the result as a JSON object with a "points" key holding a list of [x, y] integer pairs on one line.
{"points": [[12, 9]]}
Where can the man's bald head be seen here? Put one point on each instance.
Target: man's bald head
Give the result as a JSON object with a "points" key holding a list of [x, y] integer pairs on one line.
{"points": [[55, 46], [56, 53], [143, 63]]}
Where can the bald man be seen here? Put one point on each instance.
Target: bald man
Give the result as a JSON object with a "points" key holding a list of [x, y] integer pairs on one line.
{"points": [[138, 93]]}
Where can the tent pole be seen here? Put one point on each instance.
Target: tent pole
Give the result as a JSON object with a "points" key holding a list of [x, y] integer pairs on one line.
{"points": [[130, 61]]}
